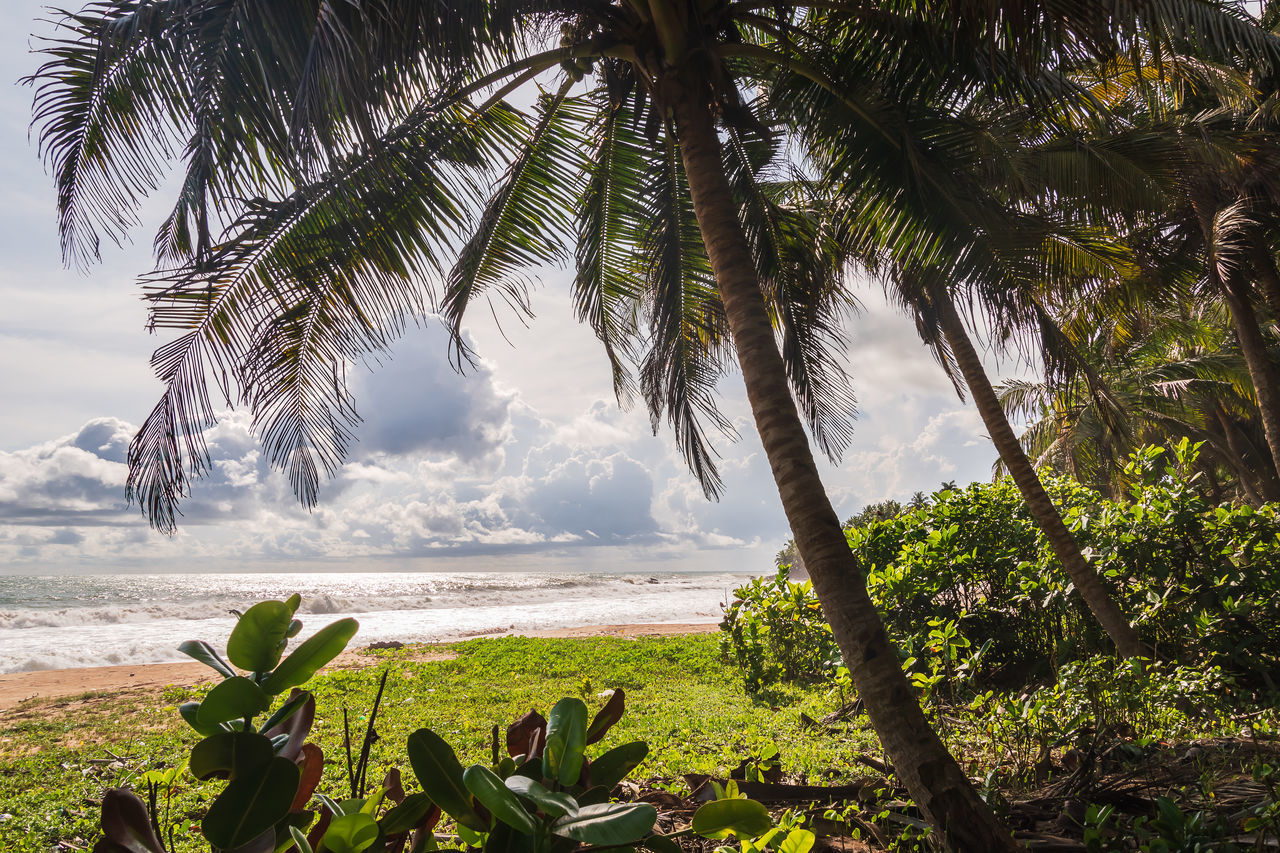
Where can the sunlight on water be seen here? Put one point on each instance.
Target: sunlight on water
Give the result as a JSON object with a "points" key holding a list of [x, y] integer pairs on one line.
{"points": [[70, 621]]}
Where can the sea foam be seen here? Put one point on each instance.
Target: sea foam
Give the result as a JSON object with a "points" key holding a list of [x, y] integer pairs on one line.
{"points": [[75, 621]]}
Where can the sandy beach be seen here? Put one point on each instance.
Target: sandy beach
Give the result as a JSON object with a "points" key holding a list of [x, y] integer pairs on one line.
{"points": [[18, 687]]}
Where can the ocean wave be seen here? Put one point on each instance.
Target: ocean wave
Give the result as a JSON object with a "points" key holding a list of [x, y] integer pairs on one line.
{"points": [[348, 599], [100, 632]]}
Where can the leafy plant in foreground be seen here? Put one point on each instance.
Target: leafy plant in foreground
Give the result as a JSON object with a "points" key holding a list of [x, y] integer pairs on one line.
{"points": [[544, 796], [271, 770]]}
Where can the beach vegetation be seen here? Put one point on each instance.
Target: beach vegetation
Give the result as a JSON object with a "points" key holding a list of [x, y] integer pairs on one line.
{"points": [[270, 767], [973, 596], [724, 169], [358, 154], [683, 701]]}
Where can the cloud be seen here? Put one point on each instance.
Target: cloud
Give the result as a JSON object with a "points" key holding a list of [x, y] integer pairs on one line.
{"points": [[76, 479], [416, 402], [586, 493]]}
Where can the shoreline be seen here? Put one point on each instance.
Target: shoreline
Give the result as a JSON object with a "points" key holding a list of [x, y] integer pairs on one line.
{"points": [[19, 687]]}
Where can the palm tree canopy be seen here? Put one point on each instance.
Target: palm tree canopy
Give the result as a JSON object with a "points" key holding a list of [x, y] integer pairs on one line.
{"points": [[350, 166]]}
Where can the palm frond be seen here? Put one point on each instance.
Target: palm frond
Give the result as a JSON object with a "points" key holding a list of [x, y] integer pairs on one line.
{"points": [[302, 287], [802, 270], [525, 221], [105, 99], [687, 329], [608, 286]]}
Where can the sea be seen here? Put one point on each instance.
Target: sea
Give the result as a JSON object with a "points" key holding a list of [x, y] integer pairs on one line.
{"points": [[65, 621]]}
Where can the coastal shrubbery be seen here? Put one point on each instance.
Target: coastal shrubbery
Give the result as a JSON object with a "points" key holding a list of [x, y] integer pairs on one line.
{"points": [[974, 598], [1019, 679]]}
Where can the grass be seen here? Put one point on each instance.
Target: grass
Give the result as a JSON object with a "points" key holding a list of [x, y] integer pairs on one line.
{"points": [[57, 757]]}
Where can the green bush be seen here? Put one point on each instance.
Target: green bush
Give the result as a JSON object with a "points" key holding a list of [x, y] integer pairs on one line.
{"points": [[972, 595], [775, 630]]}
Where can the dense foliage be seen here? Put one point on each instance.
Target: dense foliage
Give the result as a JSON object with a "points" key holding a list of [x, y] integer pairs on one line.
{"points": [[972, 595]]}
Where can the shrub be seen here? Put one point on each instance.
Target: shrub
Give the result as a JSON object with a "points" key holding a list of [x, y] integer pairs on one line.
{"points": [[775, 630], [972, 594]]}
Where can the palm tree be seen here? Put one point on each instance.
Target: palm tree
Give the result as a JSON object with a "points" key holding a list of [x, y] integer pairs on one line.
{"points": [[1222, 204], [346, 143], [1168, 372], [976, 228]]}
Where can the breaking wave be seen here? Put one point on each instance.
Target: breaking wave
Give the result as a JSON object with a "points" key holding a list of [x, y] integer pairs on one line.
{"points": [[66, 621]]}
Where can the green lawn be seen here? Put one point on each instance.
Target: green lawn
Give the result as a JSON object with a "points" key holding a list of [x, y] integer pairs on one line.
{"points": [[681, 699]]}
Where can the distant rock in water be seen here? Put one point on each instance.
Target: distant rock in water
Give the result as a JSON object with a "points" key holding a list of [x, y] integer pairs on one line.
{"points": [[385, 644]]}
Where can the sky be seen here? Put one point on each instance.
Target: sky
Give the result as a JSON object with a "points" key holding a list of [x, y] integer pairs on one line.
{"points": [[526, 463]]}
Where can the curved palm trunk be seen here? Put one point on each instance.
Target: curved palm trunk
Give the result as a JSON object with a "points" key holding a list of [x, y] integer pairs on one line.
{"points": [[1264, 267], [1064, 545], [1254, 484], [919, 757], [1266, 383]]}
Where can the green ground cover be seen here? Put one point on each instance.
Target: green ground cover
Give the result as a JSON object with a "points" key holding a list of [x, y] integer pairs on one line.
{"points": [[56, 757]]}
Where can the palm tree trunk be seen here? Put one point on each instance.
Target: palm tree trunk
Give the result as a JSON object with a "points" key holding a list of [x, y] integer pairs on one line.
{"points": [[919, 757], [1266, 383], [1264, 268], [1257, 487], [1064, 545]]}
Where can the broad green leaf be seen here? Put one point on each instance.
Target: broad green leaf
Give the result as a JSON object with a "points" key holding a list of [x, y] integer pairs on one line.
{"points": [[608, 824], [594, 795], [350, 833], [203, 652], [190, 712], [548, 802], [352, 805], [440, 775], [283, 833], [740, 818], [232, 699], [292, 603], [300, 838], [407, 815], [286, 711], [613, 766], [505, 839], [797, 841], [259, 636], [566, 739], [498, 799], [251, 804], [322, 647], [230, 754]]}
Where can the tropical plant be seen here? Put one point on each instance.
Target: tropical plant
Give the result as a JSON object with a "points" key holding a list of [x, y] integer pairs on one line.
{"points": [[996, 226], [774, 630], [974, 598], [546, 795], [345, 145], [1216, 215], [1169, 372], [271, 769]]}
